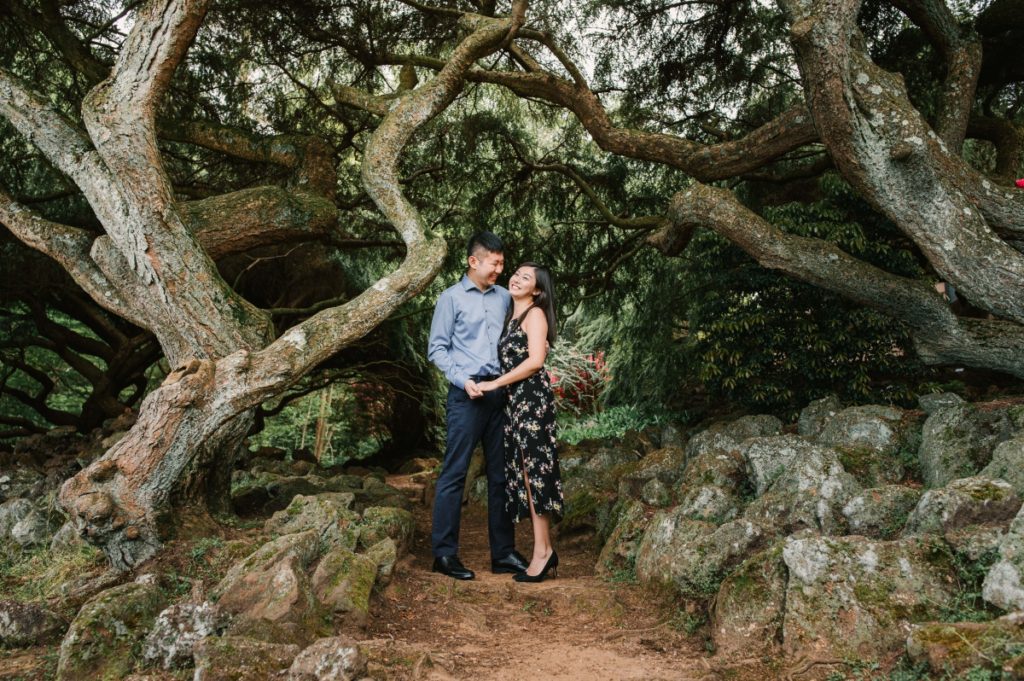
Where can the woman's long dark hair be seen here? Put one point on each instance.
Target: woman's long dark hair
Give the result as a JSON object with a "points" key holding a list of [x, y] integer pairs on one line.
{"points": [[545, 299]]}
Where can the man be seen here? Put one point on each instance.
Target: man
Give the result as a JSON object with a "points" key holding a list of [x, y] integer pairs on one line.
{"points": [[463, 344]]}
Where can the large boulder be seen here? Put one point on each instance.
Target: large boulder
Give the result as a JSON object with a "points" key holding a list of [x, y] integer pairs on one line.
{"points": [[343, 582], [380, 522], [664, 465], [968, 501], [932, 402], [809, 492], [32, 530], [28, 624], [102, 641], [1008, 464], [816, 415], [711, 441], [618, 555], [176, 630], [21, 481], [750, 605], [329, 659], [268, 593], [236, 658], [869, 426], [12, 512], [329, 514], [957, 441], [692, 557], [768, 458], [384, 555], [856, 598], [757, 425], [1004, 585], [881, 512], [713, 484], [708, 502], [724, 468], [953, 649]]}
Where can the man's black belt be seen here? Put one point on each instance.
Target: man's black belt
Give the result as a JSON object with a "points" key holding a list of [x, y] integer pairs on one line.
{"points": [[483, 377]]}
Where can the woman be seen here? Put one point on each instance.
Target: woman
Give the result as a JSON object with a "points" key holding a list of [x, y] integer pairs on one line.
{"points": [[534, 483]]}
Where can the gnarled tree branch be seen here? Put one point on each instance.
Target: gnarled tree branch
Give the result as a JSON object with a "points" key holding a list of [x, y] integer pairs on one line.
{"points": [[940, 337]]}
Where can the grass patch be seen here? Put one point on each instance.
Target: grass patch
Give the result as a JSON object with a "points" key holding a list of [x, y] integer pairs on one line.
{"points": [[38, 574]]}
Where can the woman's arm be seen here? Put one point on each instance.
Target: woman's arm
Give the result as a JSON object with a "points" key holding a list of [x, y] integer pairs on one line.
{"points": [[536, 327]]}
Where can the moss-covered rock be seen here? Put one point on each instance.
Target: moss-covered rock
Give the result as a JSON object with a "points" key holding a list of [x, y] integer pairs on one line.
{"points": [[237, 658], [956, 648], [708, 502], [958, 441], [755, 425], [810, 492], [1008, 464], [329, 514], [664, 465], [1004, 583], [855, 598], [384, 554], [618, 555], [380, 522], [268, 594], [28, 624], [768, 458], [330, 659], [968, 501], [816, 415], [104, 639], [869, 426], [750, 605], [343, 582], [583, 508], [881, 512], [176, 630], [692, 557]]}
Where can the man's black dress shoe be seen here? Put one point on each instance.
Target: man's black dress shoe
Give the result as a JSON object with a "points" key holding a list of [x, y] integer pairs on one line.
{"points": [[512, 564], [453, 567]]}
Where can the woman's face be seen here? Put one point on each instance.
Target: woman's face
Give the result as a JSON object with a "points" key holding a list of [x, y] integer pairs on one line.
{"points": [[523, 283]]}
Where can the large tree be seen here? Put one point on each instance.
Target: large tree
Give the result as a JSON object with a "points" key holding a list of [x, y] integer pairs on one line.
{"points": [[152, 265], [701, 113]]}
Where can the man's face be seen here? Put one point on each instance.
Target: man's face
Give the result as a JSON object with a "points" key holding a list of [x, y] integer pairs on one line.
{"points": [[485, 266]]}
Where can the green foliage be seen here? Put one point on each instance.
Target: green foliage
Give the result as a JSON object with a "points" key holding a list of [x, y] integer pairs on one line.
{"points": [[763, 340], [612, 422]]}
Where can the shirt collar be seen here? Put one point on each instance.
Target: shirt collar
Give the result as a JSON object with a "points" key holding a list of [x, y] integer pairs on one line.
{"points": [[468, 285]]}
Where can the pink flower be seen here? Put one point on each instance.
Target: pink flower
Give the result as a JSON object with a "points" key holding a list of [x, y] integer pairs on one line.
{"points": [[1020, 183]]}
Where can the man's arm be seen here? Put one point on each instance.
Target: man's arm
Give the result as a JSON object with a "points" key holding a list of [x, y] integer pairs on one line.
{"points": [[439, 347]]}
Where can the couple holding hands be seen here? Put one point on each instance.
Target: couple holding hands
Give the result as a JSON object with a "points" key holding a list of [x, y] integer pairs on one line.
{"points": [[491, 344]]}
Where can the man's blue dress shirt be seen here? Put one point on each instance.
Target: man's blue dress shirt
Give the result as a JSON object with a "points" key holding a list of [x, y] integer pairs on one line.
{"points": [[465, 331]]}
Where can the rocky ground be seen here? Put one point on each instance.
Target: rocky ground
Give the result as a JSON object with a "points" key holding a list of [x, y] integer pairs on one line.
{"points": [[860, 542]]}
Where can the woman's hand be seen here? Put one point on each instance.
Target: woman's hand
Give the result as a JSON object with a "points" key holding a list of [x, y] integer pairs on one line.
{"points": [[486, 386]]}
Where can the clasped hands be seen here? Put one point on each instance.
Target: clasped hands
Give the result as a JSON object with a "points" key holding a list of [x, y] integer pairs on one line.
{"points": [[475, 390]]}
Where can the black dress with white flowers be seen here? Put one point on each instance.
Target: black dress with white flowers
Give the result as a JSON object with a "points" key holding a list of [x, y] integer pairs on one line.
{"points": [[529, 434]]}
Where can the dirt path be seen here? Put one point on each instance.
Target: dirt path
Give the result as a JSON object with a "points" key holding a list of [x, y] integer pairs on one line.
{"points": [[578, 626]]}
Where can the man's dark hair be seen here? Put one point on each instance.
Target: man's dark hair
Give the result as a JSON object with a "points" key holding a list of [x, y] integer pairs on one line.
{"points": [[484, 241]]}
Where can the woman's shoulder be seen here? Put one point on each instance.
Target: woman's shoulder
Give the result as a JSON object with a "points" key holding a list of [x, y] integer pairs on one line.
{"points": [[533, 317]]}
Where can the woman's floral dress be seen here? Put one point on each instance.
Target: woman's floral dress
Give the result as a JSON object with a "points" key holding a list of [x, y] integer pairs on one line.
{"points": [[529, 434]]}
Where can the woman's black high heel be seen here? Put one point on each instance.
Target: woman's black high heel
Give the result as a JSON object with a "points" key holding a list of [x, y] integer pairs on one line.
{"points": [[550, 566]]}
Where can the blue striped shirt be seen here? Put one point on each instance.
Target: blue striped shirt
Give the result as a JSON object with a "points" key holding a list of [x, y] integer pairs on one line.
{"points": [[465, 331]]}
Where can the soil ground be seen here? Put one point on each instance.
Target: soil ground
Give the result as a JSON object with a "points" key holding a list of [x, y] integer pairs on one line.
{"points": [[576, 626]]}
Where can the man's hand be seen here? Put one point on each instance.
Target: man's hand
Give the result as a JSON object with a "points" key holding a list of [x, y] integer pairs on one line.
{"points": [[473, 390]]}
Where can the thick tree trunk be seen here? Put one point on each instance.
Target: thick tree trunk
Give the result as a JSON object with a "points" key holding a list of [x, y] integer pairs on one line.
{"points": [[179, 453]]}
